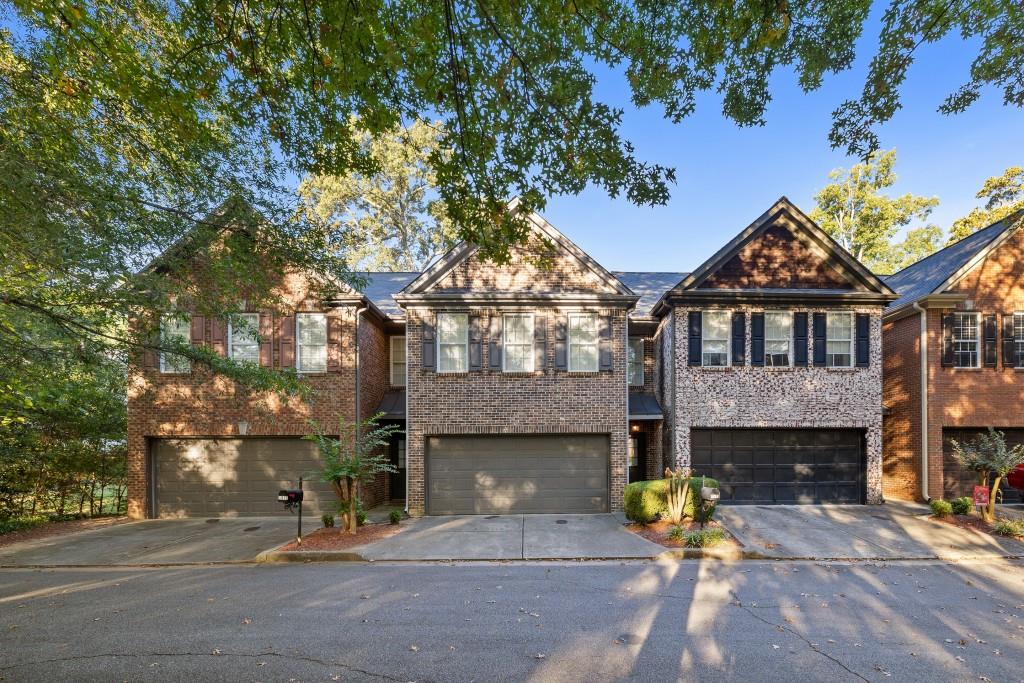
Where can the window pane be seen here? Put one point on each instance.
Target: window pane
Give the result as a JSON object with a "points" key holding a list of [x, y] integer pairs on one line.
{"points": [[965, 340], [636, 362], [778, 325], [174, 329], [716, 325], [453, 328], [1018, 335], [583, 358], [398, 361], [452, 358], [839, 353], [776, 353], [312, 342], [244, 334], [716, 353], [583, 328], [839, 326], [583, 342]]}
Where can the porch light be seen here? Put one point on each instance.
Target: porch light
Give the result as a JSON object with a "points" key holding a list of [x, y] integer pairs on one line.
{"points": [[243, 427]]}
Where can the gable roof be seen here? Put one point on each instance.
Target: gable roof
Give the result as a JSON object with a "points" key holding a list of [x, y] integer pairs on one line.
{"points": [[381, 287], [871, 286], [939, 271], [650, 286], [443, 266]]}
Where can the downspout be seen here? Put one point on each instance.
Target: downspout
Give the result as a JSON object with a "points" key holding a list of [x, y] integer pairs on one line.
{"points": [[407, 418], [924, 400]]}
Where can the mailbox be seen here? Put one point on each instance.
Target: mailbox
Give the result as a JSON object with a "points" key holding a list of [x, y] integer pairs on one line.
{"points": [[710, 494], [290, 497]]}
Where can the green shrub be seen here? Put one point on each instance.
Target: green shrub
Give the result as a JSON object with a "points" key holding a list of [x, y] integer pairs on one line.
{"points": [[704, 538], [395, 516], [328, 520], [941, 508], [13, 524], [676, 533], [962, 505], [1009, 527], [645, 501]]}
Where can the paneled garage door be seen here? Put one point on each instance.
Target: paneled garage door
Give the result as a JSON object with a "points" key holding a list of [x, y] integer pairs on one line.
{"points": [[956, 481], [517, 474], [785, 466], [235, 477]]}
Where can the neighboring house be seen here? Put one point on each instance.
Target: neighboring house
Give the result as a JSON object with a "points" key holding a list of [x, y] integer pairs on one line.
{"points": [[774, 373], [964, 307], [542, 385]]}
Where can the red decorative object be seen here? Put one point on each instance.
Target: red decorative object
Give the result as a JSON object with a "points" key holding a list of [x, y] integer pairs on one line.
{"points": [[980, 496]]}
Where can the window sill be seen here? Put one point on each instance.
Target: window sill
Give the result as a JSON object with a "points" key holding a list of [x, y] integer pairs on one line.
{"points": [[956, 369], [842, 369], [718, 368], [776, 368], [518, 373]]}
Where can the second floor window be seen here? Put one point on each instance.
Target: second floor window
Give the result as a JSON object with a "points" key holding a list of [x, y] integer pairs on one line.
{"points": [[966, 340], [583, 351], [518, 340], [715, 338], [311, 349], [243, 337], [453, 342], [778, 338], [174, 329], [398, 361], [636, 362], [1018, 338], [839, 336]]}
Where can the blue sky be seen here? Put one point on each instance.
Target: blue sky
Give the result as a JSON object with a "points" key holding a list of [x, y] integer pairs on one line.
{"points": [[728, 176]]}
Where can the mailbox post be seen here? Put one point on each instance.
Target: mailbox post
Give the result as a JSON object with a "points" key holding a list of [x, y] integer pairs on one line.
{"points": [[292, 498], [709, 495]]}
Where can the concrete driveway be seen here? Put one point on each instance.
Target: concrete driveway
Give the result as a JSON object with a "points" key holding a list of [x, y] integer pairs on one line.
{"points": [[158, 541], [895, 530], [513, 537]]}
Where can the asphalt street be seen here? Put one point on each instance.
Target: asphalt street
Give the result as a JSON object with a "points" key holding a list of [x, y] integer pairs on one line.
{"points": [[754, 621]]}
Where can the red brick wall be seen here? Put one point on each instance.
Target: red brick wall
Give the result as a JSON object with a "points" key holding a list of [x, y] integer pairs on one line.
{"points": [[373, 382], [901, 394]]}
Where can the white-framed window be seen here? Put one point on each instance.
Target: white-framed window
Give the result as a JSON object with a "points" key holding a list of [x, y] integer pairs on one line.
{"points": [[778, 339], [244, 338], [398, 361], [1018, 338], [583, 346], [636, 361], [966, 340], [518, 341], [839, 340], [311, 346], [172, 329], [453, 342], [715, 338]]}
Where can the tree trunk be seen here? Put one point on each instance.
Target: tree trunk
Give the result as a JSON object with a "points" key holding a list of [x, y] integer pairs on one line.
{"points": [[353, 522], [988, 513]]}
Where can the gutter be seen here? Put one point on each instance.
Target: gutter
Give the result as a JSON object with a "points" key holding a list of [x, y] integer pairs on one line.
{"points": [[924, 399]]}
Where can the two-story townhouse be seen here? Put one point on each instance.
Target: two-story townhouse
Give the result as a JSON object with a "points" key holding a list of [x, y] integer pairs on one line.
{"points": [[772, 366], [954, 352]]}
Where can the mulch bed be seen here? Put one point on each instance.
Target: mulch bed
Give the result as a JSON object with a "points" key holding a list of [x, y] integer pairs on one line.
{"points": [[336, 539], [59, 528], [657, 532], [972, 523]]}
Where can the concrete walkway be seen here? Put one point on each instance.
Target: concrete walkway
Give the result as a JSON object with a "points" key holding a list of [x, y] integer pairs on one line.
{"points": [[159, 541], [895, 530], [512, 537]]}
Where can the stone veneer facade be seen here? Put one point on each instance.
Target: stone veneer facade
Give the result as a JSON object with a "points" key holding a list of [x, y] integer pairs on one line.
{"points": [[760, 397]]}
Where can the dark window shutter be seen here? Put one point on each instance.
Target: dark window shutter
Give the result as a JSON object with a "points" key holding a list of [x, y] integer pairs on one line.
{"points": [[540, 347], [428, 344], [863, 340], [218, 336], [476, 343], [561, 349], [334, 346], [990, 341], [757, 339], [150, 357], [820, 340], [266, 340], [494, 342], [799, 339], [947, 341], [604, 343], [739, 338], [198, 330], [1009, 343], [286, 331], [695, 338]]}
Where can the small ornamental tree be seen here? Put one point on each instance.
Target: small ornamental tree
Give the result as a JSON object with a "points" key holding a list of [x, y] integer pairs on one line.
{"points": [[351, 459], [988, 454]]}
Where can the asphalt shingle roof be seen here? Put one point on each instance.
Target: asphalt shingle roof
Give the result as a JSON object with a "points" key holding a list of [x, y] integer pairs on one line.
{"points": [[921, 279], [381, 286], [648, 286]]}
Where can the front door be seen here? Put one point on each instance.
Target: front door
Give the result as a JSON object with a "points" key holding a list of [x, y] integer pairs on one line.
{"points": [[637, 457], [397, 482]]}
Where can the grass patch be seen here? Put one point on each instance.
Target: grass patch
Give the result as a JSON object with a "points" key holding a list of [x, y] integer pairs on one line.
{"points": [[704, 538], [1009, 527]]}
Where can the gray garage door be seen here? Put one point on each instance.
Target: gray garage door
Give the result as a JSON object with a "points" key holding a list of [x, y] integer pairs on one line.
{"points": [[786, 466], [957, 481], [517, 474], [234, 477]]}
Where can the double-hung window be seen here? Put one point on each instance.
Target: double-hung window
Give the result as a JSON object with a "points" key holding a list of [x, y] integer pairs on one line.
{"points": [[174, 329], [636, 362], [518, 341], [1018, 338], [398, 361], [583, 351], [967, 340], [453, 342], [715, 338], [839, 340], [778, 338], [311, 349], [243, 337]]}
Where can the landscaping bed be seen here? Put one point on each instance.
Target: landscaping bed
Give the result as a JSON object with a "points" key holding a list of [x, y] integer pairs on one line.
{"points": [[32, 529], [977, 524], [335, 538], [661, 532]]}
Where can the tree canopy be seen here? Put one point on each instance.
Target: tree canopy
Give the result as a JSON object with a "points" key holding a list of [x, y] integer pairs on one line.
{"points": [[1004, 194]]}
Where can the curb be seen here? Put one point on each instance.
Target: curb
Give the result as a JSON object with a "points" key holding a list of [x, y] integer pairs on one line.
{"points": [[286, 556]]}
